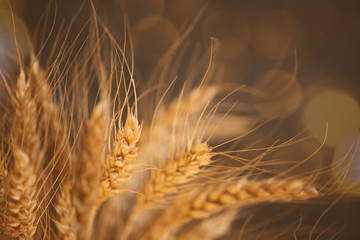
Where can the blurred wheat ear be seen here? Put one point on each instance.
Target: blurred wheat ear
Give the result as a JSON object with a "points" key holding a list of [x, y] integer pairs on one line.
{"points": [[68, 156]]}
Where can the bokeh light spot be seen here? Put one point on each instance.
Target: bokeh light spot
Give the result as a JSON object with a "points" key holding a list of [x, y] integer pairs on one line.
{"points": [[9, 61], [153, 35], [182, 12], [8, 48], [338, 110], [276, 33], [141, 8], [232, 30]]}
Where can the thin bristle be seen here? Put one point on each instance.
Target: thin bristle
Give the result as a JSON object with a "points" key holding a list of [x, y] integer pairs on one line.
{"points": [[55, 153], [53, 123]]}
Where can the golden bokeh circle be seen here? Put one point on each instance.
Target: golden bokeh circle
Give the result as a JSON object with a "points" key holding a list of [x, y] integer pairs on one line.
{"points": [[276, 33], [335, 112], [9, 46], [232, 30], [153, 35], [139, 8]]}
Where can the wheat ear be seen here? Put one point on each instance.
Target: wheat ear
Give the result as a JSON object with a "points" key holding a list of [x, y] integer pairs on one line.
{"points": [[248, 192], [224, 196], [89, 162], [19, 219], [53, 123], [20, 189], [63, 215], [179, 170], [120, 162], [56, 151]]}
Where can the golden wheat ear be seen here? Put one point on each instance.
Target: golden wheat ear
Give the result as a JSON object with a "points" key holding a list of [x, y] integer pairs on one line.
{"points": [[120, 163], [213, 199], [55, 154], [249, 192], [63, 215], [88, 167], [179, 170], [18, 218]]}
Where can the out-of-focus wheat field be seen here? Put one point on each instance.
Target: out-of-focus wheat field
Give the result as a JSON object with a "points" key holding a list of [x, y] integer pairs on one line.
{"points": [[261, 44]]}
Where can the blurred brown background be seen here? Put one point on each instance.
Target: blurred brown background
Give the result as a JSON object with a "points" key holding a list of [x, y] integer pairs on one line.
{"points": [[258, 40]]}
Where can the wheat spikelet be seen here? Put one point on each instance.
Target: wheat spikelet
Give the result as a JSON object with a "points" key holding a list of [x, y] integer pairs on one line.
{"points": [[248, 192], [54, 124], [20, 186], [55, 153], [19, 219], [208, 201], [63, 215], [179, 170], [89, 162], [24, 119], [119, 163]]}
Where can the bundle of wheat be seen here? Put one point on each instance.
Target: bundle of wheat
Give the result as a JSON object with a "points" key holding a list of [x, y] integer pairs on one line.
{"points": [[65, 163]]}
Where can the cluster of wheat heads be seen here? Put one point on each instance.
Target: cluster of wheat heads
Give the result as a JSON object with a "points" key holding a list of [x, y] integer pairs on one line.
{"points": [[75, 162]]}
